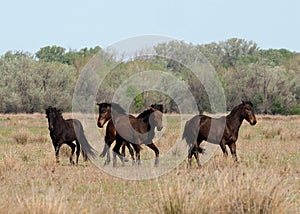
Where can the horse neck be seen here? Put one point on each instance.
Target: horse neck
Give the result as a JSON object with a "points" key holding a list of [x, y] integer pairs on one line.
{"points": [[58, 122], [116, 113], [145, 116], [235, 118], [146, 119]]}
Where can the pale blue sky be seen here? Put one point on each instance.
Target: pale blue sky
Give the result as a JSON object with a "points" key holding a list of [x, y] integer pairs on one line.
{"points": [[31, 24]]}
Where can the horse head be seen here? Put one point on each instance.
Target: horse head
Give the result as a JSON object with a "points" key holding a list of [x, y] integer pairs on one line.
{"points": [[159, 107], [52, 114], [156, 118], [248, 112], [104, 114]]}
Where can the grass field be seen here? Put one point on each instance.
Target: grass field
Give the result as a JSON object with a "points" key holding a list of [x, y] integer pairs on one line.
{"points": [[266, 179]]}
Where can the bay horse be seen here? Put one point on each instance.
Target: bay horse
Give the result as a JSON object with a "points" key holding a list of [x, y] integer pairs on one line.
{"points": [[222, 131], [64, 131], [110, 135], [129, 129]]}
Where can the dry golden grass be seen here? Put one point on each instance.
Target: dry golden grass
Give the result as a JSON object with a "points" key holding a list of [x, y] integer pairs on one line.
{"points": [[266, 179]]}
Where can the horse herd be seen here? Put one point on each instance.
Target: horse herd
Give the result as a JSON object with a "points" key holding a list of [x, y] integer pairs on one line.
{"points": [[131, 132]]}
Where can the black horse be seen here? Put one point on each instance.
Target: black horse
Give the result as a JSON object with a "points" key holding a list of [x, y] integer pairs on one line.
{"points": [[222, 131], [132, 130], [64, 131], [110, 135]]}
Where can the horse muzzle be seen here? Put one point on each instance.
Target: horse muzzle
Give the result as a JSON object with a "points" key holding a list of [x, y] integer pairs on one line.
{"points": [[99, 125], [253, 121], [51, 128], [159, 128]]}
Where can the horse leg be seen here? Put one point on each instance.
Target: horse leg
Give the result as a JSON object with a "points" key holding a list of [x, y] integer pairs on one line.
{"points": [[73, 146], [57, 147], [138, 155], [116, 151], [123, 149], [106, 150], [232, 148], [137, 151], [196, 155], [108, 142], [198, 150], [131, 152], [190, 155], [107, 161], [85, 157], [77, 151], [155, 149], [223, 147]]}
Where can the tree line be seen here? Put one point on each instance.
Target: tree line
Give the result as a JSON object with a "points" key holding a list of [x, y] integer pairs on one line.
{"points": [[269, 78]]}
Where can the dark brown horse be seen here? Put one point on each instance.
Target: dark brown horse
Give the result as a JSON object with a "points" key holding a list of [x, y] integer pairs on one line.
{"points": [[132, 130], [222, 131], [66, 131], [110, 135]]}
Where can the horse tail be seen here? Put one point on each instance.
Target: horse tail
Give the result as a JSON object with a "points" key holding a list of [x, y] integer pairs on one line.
{"points": [[105, 149], [190, 133], [88, 151], [85, 157]]}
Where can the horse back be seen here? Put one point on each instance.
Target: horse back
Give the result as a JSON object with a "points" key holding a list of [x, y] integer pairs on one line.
{"points": [[191, 130], [211, 129], [72, 126]]}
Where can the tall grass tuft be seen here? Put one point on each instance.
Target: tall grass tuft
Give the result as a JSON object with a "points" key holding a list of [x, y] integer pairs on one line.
{"points": [[230, 190], [21, 136]]}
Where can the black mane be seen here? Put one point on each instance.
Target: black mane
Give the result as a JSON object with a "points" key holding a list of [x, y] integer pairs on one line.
{"points": [[239, 106], [145, 113], [159, 107], [116, 107], [53, 109]]}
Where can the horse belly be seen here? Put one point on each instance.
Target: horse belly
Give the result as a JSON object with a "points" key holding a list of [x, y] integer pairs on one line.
{"points": [[211, 134]]}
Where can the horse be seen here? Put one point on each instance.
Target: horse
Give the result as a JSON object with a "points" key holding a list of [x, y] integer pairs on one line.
{"points": [[132, 130], [222, 131], [64, 131], [110, 135]]}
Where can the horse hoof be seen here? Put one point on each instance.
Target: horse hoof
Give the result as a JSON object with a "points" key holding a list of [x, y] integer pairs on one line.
{"points": [[188, 166], [106, 163]]}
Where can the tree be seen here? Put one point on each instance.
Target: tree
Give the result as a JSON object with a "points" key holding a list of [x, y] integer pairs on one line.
{"points": [[269, 88], [29, 86], [51, 54]]}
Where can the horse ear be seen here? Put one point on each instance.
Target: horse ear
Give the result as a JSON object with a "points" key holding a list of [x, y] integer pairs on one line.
{"points": [[47, 111], [247, 102], [59, 111], [151, 108], [160, 107]]}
